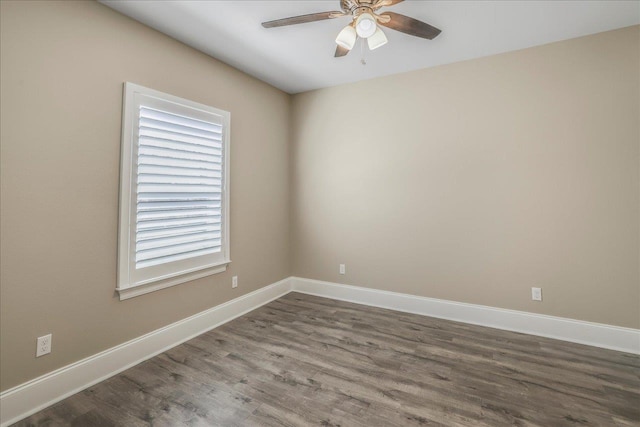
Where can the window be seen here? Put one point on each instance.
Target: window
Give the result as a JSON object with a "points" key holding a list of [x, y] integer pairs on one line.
{"points": [[174, 191]]}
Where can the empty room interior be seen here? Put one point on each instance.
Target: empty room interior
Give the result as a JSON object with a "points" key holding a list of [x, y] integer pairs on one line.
{"points": [[319, 213]]}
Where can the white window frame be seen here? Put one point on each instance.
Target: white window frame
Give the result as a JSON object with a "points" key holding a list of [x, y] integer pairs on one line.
{"points": [[129, 283]]}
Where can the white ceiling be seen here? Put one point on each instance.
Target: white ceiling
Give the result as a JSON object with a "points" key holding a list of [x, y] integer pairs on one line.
{"points": [[300, 57]]}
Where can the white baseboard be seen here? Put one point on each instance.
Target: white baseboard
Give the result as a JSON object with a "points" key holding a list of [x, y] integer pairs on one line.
{"points": [[30, 397], [577, 331]]}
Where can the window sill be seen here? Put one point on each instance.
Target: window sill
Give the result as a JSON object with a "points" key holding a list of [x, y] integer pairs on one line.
{"points": [[134, 291]]}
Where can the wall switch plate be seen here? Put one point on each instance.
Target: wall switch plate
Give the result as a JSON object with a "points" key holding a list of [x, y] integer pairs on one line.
{"points": [[343, 269], [234, 282], [536, 294], [44, 345]]}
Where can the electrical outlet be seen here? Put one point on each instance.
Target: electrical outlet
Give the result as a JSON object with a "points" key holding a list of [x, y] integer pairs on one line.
{"points": [[536, 294], [234, 282], [44, 345], [343, 269]]}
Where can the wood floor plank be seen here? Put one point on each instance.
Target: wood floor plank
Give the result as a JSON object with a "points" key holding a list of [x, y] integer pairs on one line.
{"points": [[304, 360]]}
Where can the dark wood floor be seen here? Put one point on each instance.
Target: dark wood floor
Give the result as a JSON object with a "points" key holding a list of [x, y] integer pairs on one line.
{"points": [[304, 360]]}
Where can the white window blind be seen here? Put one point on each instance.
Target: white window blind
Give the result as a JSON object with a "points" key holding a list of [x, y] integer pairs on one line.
{"points": [[179, 188], [176, 217]]}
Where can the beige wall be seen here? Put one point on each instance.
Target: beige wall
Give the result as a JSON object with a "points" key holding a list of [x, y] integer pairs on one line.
{"points": [[62, 69], [477, 180]]}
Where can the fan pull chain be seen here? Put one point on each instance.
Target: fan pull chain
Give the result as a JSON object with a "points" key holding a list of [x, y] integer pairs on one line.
{"points": [[362, 60]]}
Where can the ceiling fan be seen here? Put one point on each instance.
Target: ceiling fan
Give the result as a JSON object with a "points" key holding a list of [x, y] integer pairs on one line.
{"points": [[365, 23]]}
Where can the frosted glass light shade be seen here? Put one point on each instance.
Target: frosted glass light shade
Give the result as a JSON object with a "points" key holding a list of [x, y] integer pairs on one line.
{"points": [[377, 39], [366, 25], [347, 37]]}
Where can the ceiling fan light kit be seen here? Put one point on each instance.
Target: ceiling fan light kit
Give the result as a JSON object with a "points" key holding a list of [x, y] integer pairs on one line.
{"points": [[365, 23], [377, 39], [347, 37]]}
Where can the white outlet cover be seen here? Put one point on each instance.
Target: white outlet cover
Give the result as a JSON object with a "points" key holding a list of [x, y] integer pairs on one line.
{"points": [[234, 282], [536, 294], [43, 345], [343, 269]]}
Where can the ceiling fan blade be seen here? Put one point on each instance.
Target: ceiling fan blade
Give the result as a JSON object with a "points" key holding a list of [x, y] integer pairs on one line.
{"points": [[410, 26], [302, 19], [341, 51], [386, 3]]}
